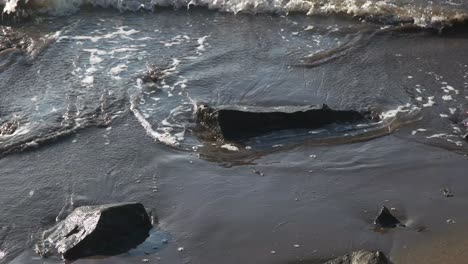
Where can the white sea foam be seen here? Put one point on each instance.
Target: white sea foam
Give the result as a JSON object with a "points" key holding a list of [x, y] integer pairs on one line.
{"points": [[88, 80], [120, 32], [422, 15], [430, 102], [165, 138], [440, 135], [230, 147], [448, 138], [408, 108], [418, 130], [118, 69], [447, 98]]}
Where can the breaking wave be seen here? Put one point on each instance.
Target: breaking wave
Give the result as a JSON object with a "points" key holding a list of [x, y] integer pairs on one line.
{"points": [[421, 13]]}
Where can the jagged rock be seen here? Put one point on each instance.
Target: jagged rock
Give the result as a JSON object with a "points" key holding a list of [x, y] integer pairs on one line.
{"points": [[22, 9], [447, 192], [241, 122], [9, 127], [361, 257], [97, 231], [465, 123], [10, 39], [385, 219], [154, 75]]}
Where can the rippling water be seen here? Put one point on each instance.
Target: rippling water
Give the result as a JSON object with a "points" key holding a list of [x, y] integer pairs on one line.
{"points": [[71, 67]]}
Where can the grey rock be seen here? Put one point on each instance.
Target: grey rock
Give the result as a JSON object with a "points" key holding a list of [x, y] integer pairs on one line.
{"points": [[361, 257], [154, 74], [241, 122], [104, 230]]}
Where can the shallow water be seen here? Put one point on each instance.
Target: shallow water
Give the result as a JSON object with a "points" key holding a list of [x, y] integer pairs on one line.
{"points": [[91, 131]]}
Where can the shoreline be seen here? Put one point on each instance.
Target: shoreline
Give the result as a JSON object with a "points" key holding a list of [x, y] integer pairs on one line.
{"points": [[229, 215]]}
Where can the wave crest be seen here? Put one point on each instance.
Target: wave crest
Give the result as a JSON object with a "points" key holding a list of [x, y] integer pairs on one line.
{"points": [[386, 11]]}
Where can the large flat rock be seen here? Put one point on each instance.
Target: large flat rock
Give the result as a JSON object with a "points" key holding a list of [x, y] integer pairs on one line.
{"points": [[241, 122]]}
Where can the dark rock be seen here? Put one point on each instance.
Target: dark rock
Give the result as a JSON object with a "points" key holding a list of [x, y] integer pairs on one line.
{"points": [[465, 123], [258, 172], [10, 39], [154, 75], [9, 127], [241, 122], [361, 257], [23, 9], [104, 230], [385, 219], [447, 193]]}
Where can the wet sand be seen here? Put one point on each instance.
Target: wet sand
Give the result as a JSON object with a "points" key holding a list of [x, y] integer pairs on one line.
{"points": [[304, 208]]}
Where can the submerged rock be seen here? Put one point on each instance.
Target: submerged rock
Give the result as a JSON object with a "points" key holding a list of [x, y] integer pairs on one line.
{"points": [[98, 231], [385, 219], [360, 257], [241, 122]]}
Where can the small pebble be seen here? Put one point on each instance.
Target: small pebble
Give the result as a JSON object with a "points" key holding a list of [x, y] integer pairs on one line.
{"points": [[450, 221], [180, 249], [297, 245], [447, 193], [258, 172], [273, 252], [145, 260], [421, 229]]}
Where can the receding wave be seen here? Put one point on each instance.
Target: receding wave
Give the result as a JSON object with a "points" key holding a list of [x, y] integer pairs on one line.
{"points": [[437, 14]]}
